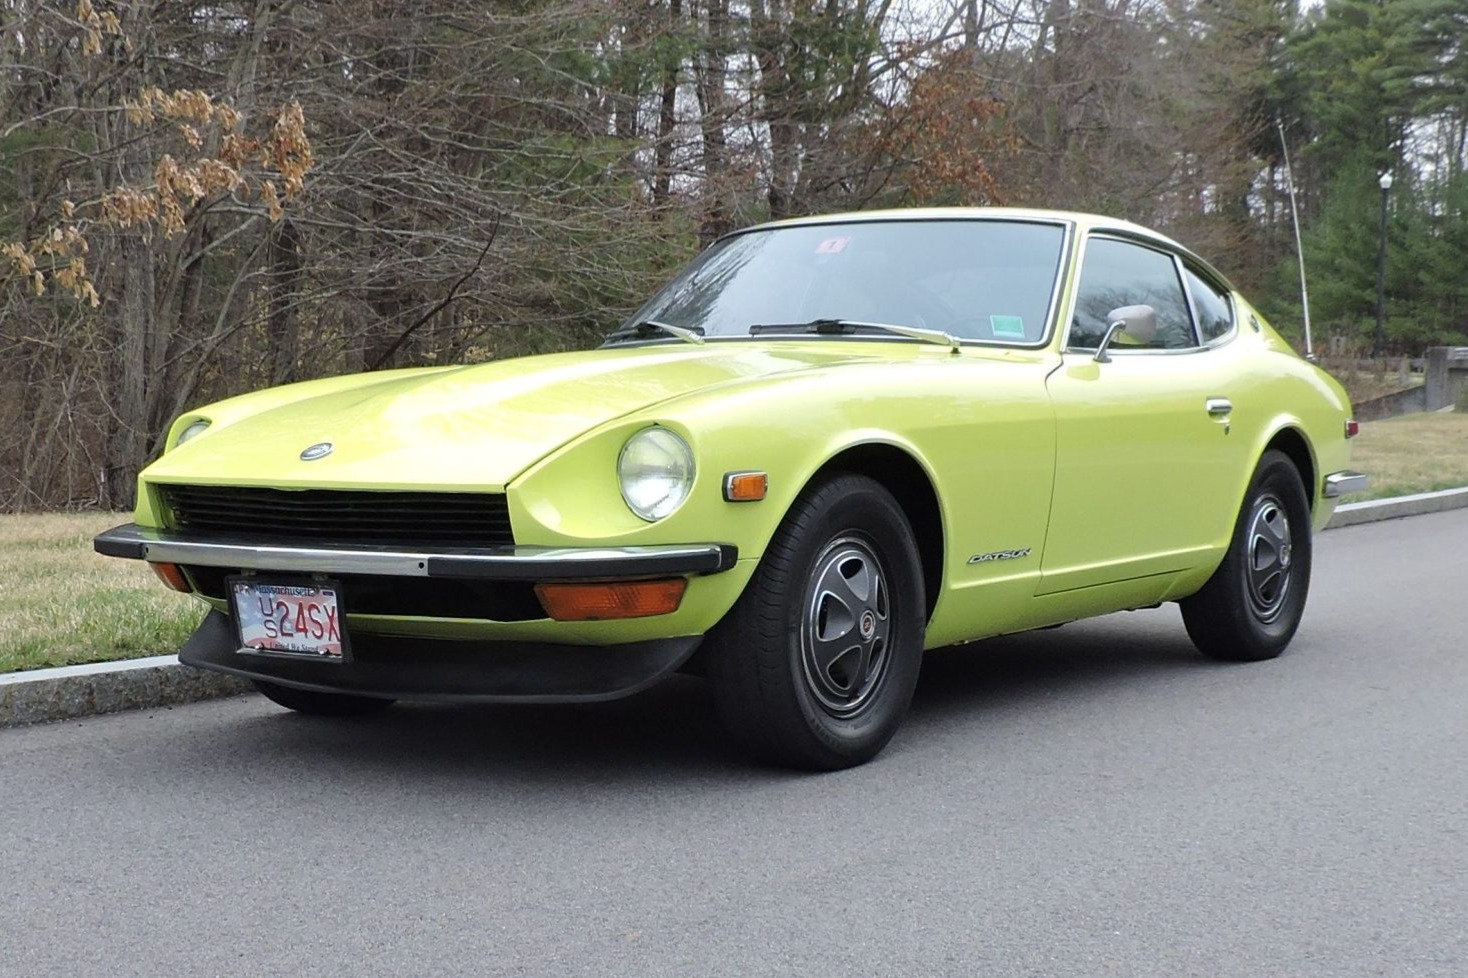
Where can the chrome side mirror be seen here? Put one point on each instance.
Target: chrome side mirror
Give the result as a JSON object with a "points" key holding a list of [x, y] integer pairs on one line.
{"points": [[1139, 323]]}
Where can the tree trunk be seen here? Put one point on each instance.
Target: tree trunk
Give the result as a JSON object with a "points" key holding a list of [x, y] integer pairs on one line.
{"points": [[712, 102], [283, 325], [663, 148]]}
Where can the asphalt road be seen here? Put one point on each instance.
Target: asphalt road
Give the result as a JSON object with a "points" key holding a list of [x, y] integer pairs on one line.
{"points": [[1089, 801]]}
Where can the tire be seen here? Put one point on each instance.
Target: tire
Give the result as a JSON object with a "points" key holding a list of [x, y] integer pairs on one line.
{"points": [[815, 665], [1249, 609], [318, 704]]}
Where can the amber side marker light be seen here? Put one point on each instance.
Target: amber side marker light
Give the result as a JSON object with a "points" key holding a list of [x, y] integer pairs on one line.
{"points": [[173, 576], [611, 599], [746, 487]]}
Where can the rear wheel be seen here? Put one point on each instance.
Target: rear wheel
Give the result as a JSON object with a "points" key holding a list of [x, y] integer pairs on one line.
{"points": [[815, 666], [317, 703], [1250, 608]]}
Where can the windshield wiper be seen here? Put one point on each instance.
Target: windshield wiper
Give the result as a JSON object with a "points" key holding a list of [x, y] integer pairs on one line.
{"points": [[650, 329], [847, 327]]}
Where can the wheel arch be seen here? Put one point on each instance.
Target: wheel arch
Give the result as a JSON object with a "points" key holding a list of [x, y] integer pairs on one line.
{"points": [[1292, 442], [904, 477]]}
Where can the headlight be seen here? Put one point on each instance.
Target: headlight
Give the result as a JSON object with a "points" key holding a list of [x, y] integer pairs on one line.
{"points": [[655, 470], [192, 431]]}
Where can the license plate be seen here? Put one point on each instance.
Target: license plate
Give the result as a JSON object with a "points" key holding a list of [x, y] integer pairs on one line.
{"points": [[289, 619]]}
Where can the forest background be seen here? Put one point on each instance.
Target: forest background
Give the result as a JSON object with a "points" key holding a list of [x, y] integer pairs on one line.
{"points": [[198, 199]]}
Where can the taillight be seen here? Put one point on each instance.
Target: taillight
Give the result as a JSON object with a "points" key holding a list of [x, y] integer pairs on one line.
{"points": [[1353, 427]]}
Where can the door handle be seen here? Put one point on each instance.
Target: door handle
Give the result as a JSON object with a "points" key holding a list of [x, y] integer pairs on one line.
{"points": [[1218, 407]]}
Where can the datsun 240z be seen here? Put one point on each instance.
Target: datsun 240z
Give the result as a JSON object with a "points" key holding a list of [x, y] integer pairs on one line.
{"points": [[825, 446]]}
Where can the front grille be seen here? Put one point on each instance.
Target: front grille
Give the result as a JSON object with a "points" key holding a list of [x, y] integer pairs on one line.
{"points": [[456, 519]]}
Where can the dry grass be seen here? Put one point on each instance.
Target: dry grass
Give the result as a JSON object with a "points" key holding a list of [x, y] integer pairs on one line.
{"points": [[1413, 453], [61, 604]]}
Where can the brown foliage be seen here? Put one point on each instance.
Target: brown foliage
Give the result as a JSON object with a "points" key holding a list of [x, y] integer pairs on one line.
{"points": [[197, 199], [950, 136]]}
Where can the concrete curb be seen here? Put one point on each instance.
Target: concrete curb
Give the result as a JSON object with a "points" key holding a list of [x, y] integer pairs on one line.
{"points": [[43, 695], [1417, 504], [68, 692]]}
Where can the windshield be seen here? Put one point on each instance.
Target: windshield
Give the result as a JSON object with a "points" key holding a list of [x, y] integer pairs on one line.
{"points": [[982, 280]]}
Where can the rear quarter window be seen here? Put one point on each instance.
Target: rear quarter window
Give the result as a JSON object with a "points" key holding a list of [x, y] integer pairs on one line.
{"points": [[1213, 305]]}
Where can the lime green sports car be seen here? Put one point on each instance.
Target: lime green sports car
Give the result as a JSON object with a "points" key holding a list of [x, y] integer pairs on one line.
{"points": [[825, 446]]}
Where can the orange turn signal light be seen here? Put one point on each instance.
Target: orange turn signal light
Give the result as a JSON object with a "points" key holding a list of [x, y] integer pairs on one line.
{"points": [[746, 487], [173, 576], [603, 601]]}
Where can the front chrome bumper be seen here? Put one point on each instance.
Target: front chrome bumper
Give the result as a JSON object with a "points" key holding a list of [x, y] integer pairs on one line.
{"points": [[1340, 483], [485, 563]]}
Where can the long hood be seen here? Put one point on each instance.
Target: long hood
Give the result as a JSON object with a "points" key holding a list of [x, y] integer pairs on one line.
{"points": [[472, 427]]}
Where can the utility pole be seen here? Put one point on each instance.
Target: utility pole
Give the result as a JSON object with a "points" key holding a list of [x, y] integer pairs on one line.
{"points": [[1386, 185]]}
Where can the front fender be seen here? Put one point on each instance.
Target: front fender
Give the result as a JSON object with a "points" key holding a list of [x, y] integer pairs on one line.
{"points": [[981, 431], [572, 498]]}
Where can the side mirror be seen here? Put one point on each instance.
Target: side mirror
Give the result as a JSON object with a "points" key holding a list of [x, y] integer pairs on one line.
{"points": [[1139, 323]]}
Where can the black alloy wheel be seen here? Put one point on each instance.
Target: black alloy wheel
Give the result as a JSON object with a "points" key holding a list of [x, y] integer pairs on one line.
{"points": [[815, 666], [1252, 605]]}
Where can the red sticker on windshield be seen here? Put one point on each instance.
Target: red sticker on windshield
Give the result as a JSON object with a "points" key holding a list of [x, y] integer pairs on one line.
{"points": [[832, 246]]}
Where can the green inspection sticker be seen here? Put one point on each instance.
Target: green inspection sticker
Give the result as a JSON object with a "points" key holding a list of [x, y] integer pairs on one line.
{"points": [[1007, 327]]}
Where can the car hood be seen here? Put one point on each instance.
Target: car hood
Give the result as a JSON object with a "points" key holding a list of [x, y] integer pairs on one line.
{"points": [[476, 426]]}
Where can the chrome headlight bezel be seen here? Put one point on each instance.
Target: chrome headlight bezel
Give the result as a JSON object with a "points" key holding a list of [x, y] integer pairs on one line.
{"points": [[655, 472]]}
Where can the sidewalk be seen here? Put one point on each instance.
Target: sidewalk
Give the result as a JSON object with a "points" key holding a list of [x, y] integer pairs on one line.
{"points": [[44, 695]]}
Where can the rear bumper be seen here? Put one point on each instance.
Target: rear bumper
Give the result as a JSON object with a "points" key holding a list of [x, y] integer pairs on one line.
{"points": [[453, 672], [1340, 483], [486, 563]]}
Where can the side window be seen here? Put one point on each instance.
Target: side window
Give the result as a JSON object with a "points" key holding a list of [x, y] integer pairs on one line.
{"points": [[1215, 311], [1119, 273]]}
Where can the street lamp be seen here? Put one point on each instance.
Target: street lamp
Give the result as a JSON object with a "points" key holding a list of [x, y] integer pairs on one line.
{"points": [[1386, 184]]}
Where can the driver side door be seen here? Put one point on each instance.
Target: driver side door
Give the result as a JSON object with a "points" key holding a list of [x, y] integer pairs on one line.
{"points": [[1147, 460]]}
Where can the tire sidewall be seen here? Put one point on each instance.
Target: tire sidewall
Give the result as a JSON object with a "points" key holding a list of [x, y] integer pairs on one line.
{"points": [[1276, 477], [870, 514]]}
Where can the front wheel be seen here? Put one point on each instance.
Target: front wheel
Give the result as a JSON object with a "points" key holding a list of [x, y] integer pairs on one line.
{"points": [[317, 703], [815, 665], [1251, 606]]}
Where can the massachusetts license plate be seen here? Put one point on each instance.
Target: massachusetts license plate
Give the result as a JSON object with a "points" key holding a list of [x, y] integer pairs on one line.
{"points": [[289, 619]]}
